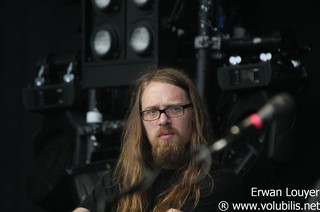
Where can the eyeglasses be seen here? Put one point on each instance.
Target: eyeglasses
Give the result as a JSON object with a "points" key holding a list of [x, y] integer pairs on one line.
{"points": [[171, 112]]}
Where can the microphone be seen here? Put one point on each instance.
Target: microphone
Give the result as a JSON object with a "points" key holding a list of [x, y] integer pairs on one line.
{"points": [[278, 105]]}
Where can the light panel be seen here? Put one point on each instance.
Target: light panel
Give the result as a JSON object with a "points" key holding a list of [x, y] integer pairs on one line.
{"points": [[120, 40], [141, 39], [104, 5], [142, 3], [103, 42]]}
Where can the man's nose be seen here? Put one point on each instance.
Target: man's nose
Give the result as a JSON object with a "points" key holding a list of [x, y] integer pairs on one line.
{"points": [[164, 119]]}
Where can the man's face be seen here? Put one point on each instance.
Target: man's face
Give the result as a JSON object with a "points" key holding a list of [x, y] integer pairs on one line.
{"points": [[169, 137]]}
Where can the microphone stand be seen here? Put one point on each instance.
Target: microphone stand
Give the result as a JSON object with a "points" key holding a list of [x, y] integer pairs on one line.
{"points": [[278, 105]]}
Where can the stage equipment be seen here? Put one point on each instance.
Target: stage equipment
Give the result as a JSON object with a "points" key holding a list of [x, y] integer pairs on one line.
{"points": [[272, 69], [68, 142], [53, 153], [56, 85], [202, 43], [260, 151], [124, 38], [251, 71], [83, 179], [264, 131], [69, 155], [120, 39]]}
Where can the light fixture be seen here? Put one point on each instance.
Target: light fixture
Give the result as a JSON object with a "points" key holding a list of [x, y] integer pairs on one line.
{"points": [[235, 60], [120, 40], [104, 5], [141, 39], [142, 3], [265, 56], [104, 42]]}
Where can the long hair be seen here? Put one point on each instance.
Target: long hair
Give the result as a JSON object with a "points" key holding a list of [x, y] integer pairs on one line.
{"points": [[136, 150]]}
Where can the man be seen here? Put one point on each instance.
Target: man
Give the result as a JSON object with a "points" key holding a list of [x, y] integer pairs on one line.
{"points": [[166, 124]]}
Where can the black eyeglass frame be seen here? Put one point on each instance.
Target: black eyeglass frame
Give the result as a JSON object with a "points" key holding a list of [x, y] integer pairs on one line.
{"points": [[164, 111]]}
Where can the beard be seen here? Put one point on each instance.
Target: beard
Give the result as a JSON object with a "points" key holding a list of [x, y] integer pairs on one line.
{"points": [[169, 153]]}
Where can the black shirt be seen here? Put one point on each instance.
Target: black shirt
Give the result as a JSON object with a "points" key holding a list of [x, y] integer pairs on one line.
{"points": [[226, 187]]}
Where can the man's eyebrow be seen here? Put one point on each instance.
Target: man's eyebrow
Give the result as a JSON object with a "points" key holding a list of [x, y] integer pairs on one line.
{"points": [[151, 108], [165, 106]]}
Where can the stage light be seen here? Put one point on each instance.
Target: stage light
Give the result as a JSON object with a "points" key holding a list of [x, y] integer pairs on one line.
{"points": [[142, 3], [120, 40], [264, 57], [103, 42], [235, 60], [40, 80], [141, 39], [104, 5], [138, 37]]}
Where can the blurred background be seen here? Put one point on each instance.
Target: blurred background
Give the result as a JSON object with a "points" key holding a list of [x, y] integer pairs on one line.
{"points": [[66, 67]]}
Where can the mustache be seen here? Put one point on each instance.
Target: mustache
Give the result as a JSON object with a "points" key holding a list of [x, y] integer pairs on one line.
{"points": [[166, 129]]}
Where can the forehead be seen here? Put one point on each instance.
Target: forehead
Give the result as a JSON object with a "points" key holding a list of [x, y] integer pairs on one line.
{"points": [[165, 93]]}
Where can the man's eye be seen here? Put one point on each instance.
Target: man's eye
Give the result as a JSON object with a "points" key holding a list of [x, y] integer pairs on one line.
{"points": [[150, 112], [175, 109]]}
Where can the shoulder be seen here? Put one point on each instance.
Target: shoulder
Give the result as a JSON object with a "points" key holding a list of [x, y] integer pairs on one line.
{"points": [[223, 184], [222, 174], [227, 185]]}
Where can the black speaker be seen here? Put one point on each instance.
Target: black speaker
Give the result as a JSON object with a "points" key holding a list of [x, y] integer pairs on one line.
{"points": [[61, 175], [54, 152]]}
